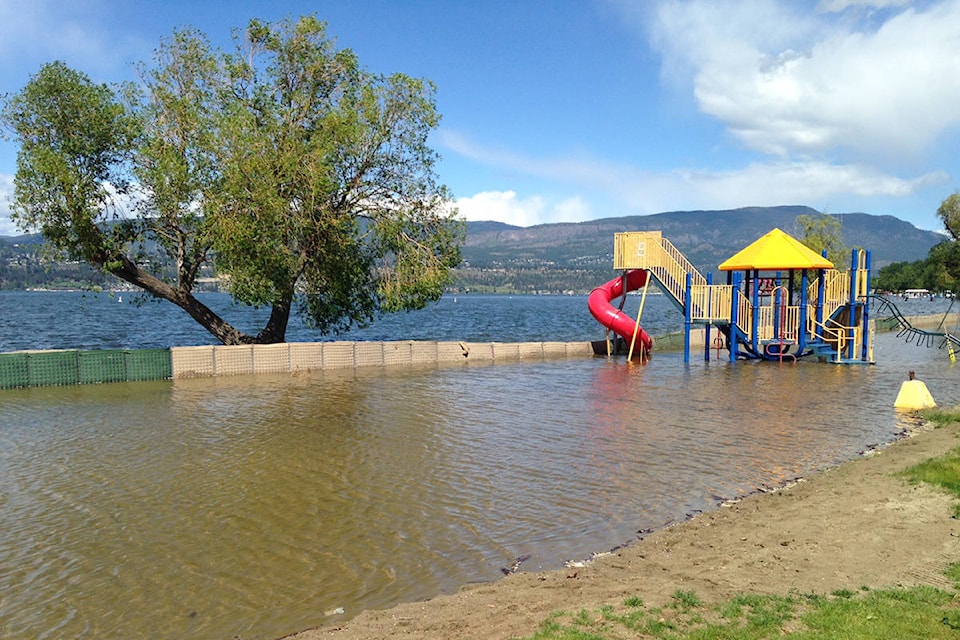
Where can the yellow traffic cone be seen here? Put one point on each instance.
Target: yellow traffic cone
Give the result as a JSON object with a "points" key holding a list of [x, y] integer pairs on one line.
{"points": [[914, 395]]}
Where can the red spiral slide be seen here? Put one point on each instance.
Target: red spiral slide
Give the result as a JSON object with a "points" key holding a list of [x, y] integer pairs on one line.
{"points": [[612, 318]]}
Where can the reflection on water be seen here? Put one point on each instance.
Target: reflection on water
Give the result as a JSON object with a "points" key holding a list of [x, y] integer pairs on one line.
{"points": [[259, 506]]}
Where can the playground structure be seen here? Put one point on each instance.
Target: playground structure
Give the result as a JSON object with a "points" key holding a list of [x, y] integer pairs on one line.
{"points": [[781, 301]]}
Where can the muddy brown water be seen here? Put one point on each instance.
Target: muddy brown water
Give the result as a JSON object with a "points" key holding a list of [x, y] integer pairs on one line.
{"points": [[257, 506]]}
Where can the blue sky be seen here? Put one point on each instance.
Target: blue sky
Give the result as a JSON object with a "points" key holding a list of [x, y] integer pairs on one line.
{"points": [[564, 111]]}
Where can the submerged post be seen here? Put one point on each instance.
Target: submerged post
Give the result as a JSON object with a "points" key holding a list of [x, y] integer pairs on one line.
{"points": [[687, 316]]}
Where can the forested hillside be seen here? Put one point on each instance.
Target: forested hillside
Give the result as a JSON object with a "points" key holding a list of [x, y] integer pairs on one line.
{"points": [[578, 256], [552, 258]]}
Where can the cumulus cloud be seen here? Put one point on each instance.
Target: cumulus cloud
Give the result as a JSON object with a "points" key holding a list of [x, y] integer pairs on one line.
{"points": [[637, 190], [6, 195], [74, 32], [507, 207], [789, 84]]}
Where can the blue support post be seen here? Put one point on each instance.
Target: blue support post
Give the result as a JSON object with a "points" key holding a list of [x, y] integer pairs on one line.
{"points": [[854, 266], [865, 351], [755, 305], [802, 329], [821, 292], [734, 312], [706, 329], [687, 315]]}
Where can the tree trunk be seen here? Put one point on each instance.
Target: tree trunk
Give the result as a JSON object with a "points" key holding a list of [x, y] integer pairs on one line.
{"points": [[276, 328], [206, 317]]}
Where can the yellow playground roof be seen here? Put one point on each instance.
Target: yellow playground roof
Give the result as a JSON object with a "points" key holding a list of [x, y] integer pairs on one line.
{"points": [[776, 250]]}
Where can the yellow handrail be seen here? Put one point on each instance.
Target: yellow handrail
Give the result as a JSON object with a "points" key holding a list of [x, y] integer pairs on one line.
{"points": [[838, 333], [636, 328], [650, 250]]}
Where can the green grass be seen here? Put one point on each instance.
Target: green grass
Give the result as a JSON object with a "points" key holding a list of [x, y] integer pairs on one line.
{"points": [[922, 612], [915, 613], [941, 416]]}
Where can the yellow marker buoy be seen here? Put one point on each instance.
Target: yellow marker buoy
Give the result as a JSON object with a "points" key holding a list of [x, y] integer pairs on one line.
{"points": [[914, 395]]}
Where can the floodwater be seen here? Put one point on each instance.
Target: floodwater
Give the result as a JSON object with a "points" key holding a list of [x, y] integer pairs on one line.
{"points": [[254, 507]]}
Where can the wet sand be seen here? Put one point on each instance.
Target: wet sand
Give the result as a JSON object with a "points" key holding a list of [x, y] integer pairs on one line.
{"points": [[853, 526]]}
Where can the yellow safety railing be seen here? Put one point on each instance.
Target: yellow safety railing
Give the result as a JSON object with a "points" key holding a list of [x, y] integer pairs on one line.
{"points": [[836, 290], [863, 281], [650, 250], [744, 314], [834, 332], [789, 322], [711, 302]]}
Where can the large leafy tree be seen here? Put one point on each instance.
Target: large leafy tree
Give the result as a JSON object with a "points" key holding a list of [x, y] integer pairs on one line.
{"points": [[949, 214], [821, 233], [940, 270], [304, 179]]}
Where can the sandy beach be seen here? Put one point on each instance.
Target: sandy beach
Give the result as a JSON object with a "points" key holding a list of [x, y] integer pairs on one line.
{"points": [[853, 526]]}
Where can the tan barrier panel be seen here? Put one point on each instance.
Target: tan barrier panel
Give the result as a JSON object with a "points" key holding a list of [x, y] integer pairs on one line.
{"points": [[367, 354], [505, 350], [579, 349], [338, 355], [236, 360], [192, 362], [397, 353], [424, 352], [272, 358], [454, 352], [530, 350], [482, 351], [555, 349], [306, 356], [208, 361], [933, 322]]}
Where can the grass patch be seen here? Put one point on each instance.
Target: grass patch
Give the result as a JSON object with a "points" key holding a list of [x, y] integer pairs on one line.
{"points": [[941, 416], [918, 612], [942, 472]]}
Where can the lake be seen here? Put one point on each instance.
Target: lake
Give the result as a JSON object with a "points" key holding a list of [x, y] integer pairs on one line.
{"points": [[257, 506]]}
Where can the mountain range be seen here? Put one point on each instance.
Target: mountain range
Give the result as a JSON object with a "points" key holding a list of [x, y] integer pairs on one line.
{"points": [[573, 257], [578, 256]]}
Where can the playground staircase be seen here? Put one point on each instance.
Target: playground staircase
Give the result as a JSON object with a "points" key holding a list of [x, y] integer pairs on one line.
{"points": [[651, 251]]}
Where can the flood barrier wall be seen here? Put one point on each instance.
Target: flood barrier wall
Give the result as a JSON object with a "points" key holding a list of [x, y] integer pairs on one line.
{"points": [[52, 368], [67, 367]]}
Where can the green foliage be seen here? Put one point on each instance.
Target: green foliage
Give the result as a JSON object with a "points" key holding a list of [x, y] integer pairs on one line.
{"points": [[943, 471], [941, 415], [824, 233], [949, 213], [917, 612], [940, 270], [305, 179], [75, 142]]}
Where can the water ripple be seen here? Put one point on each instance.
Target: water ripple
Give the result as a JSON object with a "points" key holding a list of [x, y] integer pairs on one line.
{"points": [[259, 506]]}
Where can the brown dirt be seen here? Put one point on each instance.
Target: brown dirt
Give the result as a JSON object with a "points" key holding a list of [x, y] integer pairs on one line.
{"points": [[856, 525]]}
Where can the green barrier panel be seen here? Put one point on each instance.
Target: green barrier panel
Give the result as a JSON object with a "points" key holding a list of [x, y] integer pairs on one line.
{"points": [[102, 366], [14, 370], [149, 364], [50, 368]]}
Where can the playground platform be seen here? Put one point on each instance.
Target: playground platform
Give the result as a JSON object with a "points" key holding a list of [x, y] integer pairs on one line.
{"points": [[781, 301]]}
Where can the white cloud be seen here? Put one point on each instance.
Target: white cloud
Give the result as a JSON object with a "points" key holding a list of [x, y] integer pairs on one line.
{"points": [[793, 84], [7, 227], [633, 190], [47, 30], [837, 6], [505, 206]]}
